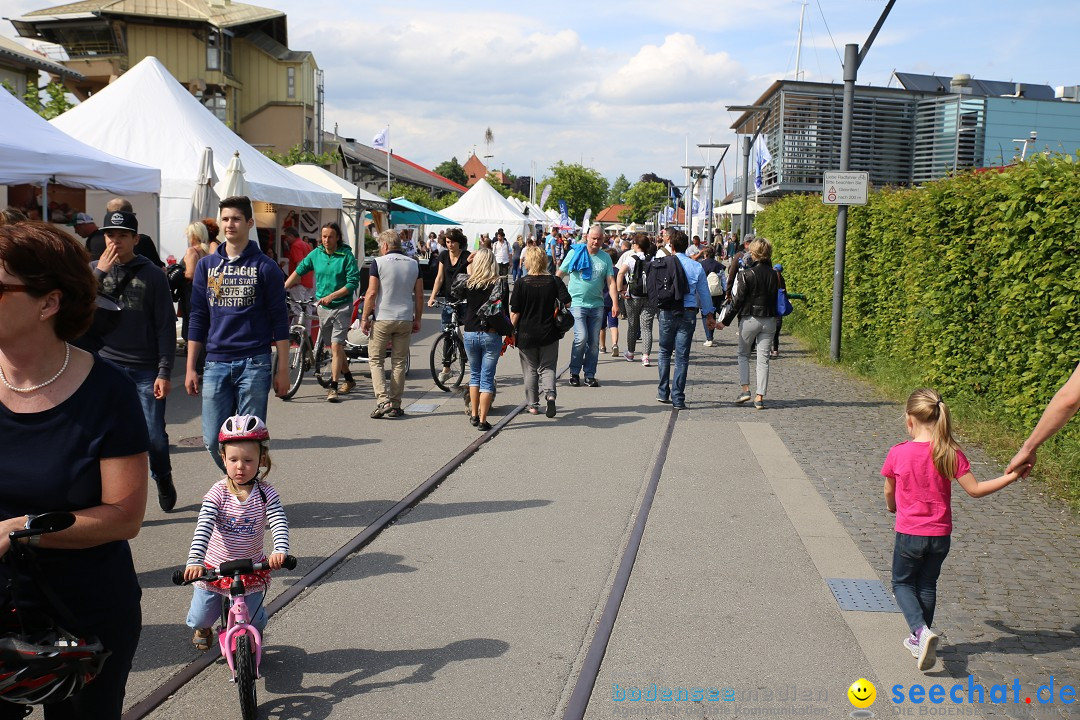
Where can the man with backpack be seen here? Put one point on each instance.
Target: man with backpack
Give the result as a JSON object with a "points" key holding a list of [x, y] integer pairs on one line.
{"points": [[632, 285], [590, 271], [679, 291]]}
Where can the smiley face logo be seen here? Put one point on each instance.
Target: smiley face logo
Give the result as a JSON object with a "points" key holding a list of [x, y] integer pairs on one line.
{"points": [[862, 693]]}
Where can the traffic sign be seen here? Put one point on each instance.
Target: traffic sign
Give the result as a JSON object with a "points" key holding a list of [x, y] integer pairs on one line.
{"points": [[845, 188]]}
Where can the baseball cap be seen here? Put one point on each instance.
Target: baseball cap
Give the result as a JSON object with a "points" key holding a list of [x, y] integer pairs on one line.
{"points": [[81, 218], [120, 220]]}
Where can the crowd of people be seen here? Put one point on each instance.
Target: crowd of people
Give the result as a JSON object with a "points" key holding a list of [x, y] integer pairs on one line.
{"points": [[93, 421]]}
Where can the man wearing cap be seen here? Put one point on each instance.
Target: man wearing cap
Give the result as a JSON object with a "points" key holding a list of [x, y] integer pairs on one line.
{"points": [[95, 239], [144, 342]]}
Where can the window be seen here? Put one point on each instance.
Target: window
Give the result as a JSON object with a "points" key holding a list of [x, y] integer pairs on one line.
{"points": [[213, 50], [226, 51], [291, 83], [214, 101]]}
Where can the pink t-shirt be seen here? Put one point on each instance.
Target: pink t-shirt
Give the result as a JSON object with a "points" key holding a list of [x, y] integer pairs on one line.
{"points": [[923, 496]]}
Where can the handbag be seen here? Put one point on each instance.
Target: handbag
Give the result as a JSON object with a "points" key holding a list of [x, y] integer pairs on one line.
{"points": [[492, 313], [783, 305], [564, 319]]}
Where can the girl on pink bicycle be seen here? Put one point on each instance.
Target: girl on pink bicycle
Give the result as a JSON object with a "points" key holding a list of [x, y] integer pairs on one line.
{"points": [[232, 523]]}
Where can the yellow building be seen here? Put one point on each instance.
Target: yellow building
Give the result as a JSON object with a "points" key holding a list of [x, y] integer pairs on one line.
{"points": [[232, 56]]}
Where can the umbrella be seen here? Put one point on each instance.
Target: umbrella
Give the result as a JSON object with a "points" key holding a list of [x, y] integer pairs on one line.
{"points": [[204, 201], [404, 212], [616, 227], [234, 182], [634, 227]]}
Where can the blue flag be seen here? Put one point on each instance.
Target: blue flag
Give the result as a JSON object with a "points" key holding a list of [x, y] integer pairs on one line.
{"points": [[564, 216]]}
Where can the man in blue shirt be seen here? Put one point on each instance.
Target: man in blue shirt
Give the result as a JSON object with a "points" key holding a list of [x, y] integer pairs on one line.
{"points": [[677, 326], [587, 303], [549, 247]]}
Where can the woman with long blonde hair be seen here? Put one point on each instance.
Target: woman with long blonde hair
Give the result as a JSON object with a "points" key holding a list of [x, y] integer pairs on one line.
{"points": [[483, 345], [532, 311]]}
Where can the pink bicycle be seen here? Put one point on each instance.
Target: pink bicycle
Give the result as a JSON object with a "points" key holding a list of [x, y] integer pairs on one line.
{"points": [[240, 643]]}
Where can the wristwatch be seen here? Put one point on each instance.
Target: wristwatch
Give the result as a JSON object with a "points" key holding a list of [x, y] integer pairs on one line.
{"points": [[33, 540]]}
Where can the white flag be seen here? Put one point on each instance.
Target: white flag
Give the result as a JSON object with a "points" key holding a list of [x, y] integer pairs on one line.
{"points": [[382, 140], [585, 220], [545, 195], [762, 157]]}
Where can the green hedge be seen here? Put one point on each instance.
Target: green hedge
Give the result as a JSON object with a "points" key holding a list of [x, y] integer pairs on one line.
{"points": [[971, 282]]}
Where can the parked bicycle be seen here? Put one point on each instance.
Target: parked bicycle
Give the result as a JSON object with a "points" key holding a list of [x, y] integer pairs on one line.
{"points": [[448, 351], [239, 641]]}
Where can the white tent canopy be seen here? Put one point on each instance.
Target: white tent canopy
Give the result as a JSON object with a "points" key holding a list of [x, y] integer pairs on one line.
{"points": [[483, 210], [146, 116], [735, 208], [34, 152]]}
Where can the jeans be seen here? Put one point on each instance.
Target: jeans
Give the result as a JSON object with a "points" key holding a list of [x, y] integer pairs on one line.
{"points": [[717, 302], [233, 387], [483, 350], [515, 270], [676, 335], [206, 608], [154, 412], [916, 565], [586, 349], [760, 330]]}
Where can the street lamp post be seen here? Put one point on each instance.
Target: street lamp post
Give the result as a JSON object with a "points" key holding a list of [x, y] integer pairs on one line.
{"points": [[712, 181], [691, 182], [748, 142]]}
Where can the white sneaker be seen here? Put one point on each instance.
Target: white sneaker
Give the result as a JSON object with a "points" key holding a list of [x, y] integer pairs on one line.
{"points": [[628, 356], [645, 361], [928, 642], [912, 644], [708, 343]]}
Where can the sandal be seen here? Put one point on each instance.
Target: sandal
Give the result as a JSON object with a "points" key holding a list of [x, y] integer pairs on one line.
{"points": [[395, 412], [201, 639], [381, 409]]}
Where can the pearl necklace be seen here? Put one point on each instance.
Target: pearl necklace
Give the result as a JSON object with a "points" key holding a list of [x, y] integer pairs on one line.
{"points": [[50, 381]]}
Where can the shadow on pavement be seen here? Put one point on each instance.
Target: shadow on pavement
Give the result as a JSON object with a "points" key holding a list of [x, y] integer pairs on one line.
{"points": [[357, 669], [1025, 642]]}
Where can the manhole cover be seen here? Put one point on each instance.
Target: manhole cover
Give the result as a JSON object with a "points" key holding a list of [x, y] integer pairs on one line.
{"points": [[423, 407], [864, 595], [189, 442]]}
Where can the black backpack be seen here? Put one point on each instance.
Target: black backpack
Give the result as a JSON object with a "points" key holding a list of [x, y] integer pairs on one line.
{"points": [[636, 281], [666, 283]]}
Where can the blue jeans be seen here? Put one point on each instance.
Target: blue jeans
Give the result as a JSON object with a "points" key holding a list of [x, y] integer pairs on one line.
{"points": [[236, 387], [586, 350], [483, 349], [154, 413], [676, 335], [205, 608], [916, 565], [515, 270]]}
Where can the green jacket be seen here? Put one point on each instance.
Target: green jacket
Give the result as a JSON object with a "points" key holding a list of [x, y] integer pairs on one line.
{"points": [[332, 272]]}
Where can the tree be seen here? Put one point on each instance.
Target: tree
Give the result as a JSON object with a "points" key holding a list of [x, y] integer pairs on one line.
{"points": [[521, 185], [452, 170], [297, 155], [581, 187], [55, 105], [503, 190], [617, 195], [420, 196], [673, 188], [644, 199]]}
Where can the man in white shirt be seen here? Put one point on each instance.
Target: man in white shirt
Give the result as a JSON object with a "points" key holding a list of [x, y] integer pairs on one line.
{"points": [[501, 248]]}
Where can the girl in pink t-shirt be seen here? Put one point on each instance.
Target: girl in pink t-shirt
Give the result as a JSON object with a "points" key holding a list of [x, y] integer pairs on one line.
{"points": [[918, 488]]}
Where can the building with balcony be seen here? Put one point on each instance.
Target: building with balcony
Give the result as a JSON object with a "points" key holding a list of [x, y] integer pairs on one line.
{"points": [[232, 56], [925, 128], [21, 67]]}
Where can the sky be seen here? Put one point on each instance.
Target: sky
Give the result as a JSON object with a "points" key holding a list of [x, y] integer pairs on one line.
{"points": [[630, 86]]}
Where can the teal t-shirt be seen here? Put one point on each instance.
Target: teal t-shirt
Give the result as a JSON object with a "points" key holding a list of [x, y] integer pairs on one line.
{"points": [[332, 272], [590, 293]]}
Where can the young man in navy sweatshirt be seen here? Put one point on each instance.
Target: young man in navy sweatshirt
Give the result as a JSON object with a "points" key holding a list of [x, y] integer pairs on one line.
{"points": [[238, 311]]}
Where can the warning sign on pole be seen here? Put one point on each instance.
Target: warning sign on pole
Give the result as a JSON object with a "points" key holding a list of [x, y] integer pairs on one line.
{"points": [[845, 188]]}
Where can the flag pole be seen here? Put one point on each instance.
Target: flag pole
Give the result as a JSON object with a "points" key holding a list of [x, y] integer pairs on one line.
{"points": [[389, 194]]}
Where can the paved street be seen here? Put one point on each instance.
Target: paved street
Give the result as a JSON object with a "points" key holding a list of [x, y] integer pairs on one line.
{"points": [[482, 601]]}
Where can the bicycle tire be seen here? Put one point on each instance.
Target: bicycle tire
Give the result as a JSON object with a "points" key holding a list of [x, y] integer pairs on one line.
{"points": [[297, 351], [448, 346], [322, 364], [245, 677]]}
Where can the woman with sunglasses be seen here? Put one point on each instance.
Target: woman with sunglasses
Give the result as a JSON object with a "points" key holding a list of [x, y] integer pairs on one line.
{"points": [[72, 438]]}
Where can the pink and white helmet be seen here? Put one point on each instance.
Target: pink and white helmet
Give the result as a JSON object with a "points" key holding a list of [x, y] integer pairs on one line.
{"points": [[239, 428]]}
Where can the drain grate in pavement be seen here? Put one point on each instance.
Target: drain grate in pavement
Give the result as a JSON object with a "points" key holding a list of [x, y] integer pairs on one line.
{"points": [[190, 442], [423, 407], [864, 595]]}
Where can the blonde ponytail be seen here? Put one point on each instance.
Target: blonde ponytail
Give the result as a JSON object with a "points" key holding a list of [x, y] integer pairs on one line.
{"points": [[926, 406]]}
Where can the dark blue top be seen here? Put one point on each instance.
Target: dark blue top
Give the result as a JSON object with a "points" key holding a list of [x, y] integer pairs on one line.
{"points": [[50, 460], [238, 306]]}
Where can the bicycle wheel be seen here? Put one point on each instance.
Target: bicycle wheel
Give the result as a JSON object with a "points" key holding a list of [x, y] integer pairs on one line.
{"points": [[448, 351], [298, 348], [245, 677], [322, 364]]}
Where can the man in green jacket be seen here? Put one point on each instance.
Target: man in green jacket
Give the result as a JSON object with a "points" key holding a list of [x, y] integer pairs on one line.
{"points": [[337, 278]]}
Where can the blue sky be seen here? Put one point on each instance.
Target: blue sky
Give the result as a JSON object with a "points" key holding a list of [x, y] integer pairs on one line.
{"points": [[625, 86]]}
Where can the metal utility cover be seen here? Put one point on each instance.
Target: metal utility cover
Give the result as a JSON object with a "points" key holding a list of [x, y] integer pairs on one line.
{"points": [[423, 407], [864, 595]]}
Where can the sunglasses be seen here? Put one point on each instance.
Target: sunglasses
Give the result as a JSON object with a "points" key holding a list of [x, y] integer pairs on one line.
{"points": [[7, 287]]}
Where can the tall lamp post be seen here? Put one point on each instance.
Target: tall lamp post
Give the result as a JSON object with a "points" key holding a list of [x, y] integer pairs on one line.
{"points": [[748, 142], [691, 181], [712, 182]]}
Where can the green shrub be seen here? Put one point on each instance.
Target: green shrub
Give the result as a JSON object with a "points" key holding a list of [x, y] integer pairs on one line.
{"points": [[968, 284]]}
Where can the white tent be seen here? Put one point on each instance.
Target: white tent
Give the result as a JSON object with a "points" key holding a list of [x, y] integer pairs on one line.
{"points": [[146, 116], [33, 152], [483, 210], [356, 201]]}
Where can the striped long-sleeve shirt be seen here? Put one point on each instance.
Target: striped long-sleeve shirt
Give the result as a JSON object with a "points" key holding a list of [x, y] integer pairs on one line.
{"points": [[228, 529]]}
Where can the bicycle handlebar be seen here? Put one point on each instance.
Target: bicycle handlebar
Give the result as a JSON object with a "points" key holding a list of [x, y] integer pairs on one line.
{"points": [[43, 524], [231, 569]]}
